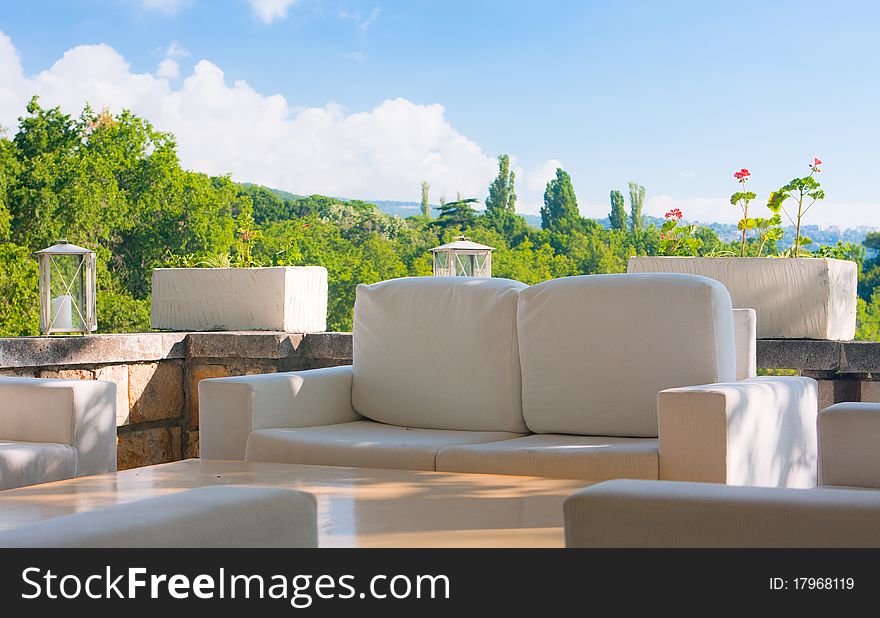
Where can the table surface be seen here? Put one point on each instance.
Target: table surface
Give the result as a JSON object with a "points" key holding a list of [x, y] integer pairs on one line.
{"points": [[357, 507]]}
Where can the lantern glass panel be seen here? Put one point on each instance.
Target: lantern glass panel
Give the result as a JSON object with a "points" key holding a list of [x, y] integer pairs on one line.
{"points": [[67, 293], [464, 265]]}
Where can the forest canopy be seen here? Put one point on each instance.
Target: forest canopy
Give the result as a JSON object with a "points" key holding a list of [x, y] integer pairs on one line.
{"points": [[114, 183]]}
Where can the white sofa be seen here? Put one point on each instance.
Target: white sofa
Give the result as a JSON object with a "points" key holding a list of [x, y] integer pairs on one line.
{"points": [[214, 516], [55, 429], [558, 379], [843, 512]]}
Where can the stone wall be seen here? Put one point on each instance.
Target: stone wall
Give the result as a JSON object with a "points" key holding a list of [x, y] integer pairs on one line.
{"points": [[157, 374]]}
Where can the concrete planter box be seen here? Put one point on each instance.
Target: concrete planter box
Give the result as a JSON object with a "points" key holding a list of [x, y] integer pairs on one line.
{"points": [[280, 298], [795, 298]]}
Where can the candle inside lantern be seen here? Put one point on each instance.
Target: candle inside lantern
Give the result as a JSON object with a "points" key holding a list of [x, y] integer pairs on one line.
{"points": [[62, 313]]}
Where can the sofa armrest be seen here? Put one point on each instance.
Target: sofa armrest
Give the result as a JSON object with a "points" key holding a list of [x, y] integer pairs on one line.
{"points": [[81, 413], [760, 431], [231, 408], [849, 445], [630, 513]]}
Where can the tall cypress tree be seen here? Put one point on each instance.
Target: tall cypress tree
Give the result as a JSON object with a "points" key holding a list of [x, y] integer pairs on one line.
{"points": [[618, 211], [502, 197], [560, 209], [636, 201], [426, 208]]}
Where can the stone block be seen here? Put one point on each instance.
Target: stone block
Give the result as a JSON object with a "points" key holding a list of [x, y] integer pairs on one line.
{"points": [[68, 374], [194, 375], [245, 345], [114, 349], [191, 444], [155, 391], [23, 372], [801, 354], [860, 357], [870, 391], [826, 393], [146, 447], [119, 375]]}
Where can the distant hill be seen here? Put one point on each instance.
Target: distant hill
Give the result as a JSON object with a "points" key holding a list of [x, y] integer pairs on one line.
{"points": [[726, 231]]}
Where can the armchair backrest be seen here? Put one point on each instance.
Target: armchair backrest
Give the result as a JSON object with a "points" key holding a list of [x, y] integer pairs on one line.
{"points": [[438, 353], [595, 350]]}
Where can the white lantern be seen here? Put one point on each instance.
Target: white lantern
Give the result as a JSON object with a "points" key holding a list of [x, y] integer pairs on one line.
{"points": [[67, 289], [462, 258]]}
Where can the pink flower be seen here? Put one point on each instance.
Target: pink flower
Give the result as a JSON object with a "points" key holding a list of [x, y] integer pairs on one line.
{"points": [[742, 175], [675, 213], [816, 163]]}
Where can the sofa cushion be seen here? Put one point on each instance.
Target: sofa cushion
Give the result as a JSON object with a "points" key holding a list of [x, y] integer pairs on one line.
{"points": [[219, 516], [31, 463], [595, 350], [361, 444], [591, 458], [438, 353]]}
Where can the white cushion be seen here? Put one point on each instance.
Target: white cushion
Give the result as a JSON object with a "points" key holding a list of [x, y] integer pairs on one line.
{"points": [[591, 458], [635, 513], [361, 444], [745, 325], [438, 353], [31, 463], [849, 445], [596, 349], [217, 516]]}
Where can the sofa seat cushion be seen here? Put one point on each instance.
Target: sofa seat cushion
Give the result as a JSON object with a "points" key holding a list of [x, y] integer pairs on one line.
{"points": [[31, 463], [595, 350], [438, 353], [361, 444], [591, 458]]}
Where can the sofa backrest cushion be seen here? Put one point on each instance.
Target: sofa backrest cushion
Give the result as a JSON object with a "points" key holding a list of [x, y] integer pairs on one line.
{"points": [[595, 350], [438, 353]]}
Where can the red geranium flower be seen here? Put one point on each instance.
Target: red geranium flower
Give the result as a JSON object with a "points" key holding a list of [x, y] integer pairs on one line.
{"points": [[816, 163], [675, 213], [742, 174]]}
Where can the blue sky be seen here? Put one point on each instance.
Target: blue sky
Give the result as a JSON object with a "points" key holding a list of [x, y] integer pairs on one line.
{"points": [[375, 96]]}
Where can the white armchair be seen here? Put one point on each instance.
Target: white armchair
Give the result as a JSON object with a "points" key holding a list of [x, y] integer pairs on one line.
{"points": [[55, 429]]}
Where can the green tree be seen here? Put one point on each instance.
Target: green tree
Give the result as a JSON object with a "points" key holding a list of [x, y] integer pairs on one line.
{"points": [[460, 213], [560, 209], [636, 201], [426, 207], [618, 211], [502, 196]]}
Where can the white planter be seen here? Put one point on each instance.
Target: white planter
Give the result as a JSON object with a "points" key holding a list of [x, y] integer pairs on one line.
{"points": [[280, 298], [795, 298]]}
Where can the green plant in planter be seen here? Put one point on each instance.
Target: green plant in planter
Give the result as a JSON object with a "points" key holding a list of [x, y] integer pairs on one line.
{"points": [[767, 230], [742, 199], [677, 238], [805, 192]]}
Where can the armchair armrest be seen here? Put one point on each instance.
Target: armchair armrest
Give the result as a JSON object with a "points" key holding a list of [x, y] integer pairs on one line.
{"points": [[631, 513], [849, 445], [231, 408], [745, 329], [760, 431], [80, 413]]}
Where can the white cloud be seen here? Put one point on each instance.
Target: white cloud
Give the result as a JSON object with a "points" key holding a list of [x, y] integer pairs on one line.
{"points": [[268, 11], [382, 153], [176, 50], [222, 128], [169, 7], [169, 69], [362, 22]]}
